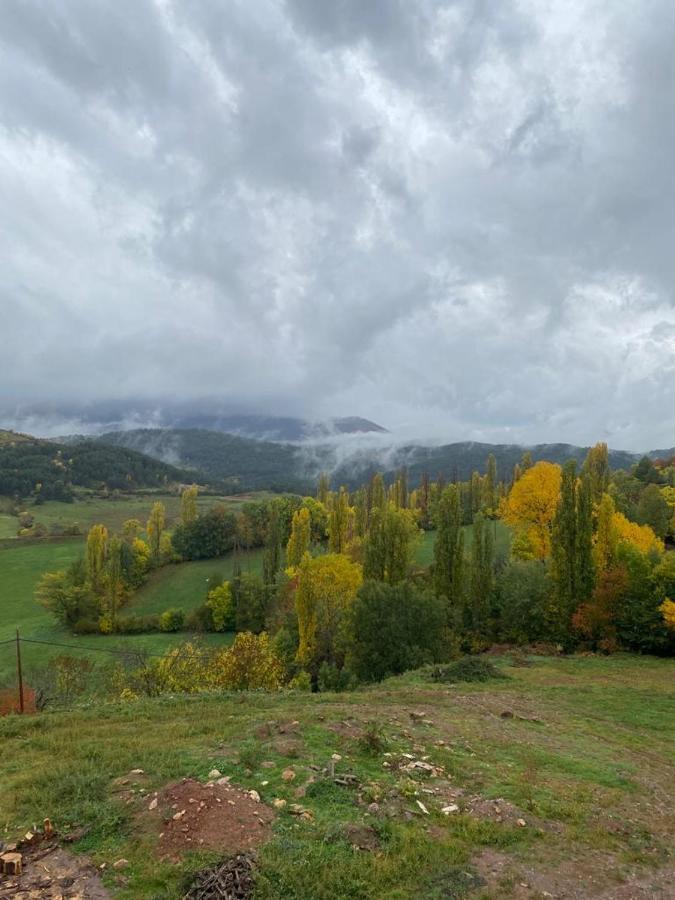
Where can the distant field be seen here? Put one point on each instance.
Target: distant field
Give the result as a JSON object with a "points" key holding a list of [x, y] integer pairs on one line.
{"points": [[90, 510], [502, 532]]}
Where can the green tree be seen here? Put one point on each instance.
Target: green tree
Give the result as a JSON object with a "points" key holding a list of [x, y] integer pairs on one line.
{"points": [[653, 510], [482, 574], [394, 628], [449, 551], [389, 546], [339, 522]]}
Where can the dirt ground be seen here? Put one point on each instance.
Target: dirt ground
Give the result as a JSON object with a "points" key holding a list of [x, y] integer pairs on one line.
{"points": [[190, 815], [52, 873]]}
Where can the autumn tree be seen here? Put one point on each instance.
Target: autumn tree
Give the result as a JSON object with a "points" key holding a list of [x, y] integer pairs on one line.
{"points": [[532, 503], [188, 504], [155, 529], [114, 593], [323, 489], [96, 555], [326, 588], [339, 522], [596, 467], [299, 541], [389, 545]]}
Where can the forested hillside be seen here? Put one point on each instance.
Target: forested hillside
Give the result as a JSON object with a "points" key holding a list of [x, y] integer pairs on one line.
{"points": [[246, 464], [48, 470]]}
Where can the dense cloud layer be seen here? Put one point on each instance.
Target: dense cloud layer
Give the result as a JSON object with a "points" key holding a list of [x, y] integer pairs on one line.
{"points": [[455, 218]]}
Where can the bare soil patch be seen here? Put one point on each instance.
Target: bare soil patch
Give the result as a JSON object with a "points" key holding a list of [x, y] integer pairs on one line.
{"points": [[52, 873], [595, 876], [190, 815]]}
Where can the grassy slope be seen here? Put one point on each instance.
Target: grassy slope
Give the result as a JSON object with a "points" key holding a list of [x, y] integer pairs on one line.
{"points": [[592, 777], [425, 551], [23, 562]]}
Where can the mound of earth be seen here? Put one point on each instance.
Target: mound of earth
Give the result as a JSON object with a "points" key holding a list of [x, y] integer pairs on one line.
{"points": [[52, 873], [190, 815]]}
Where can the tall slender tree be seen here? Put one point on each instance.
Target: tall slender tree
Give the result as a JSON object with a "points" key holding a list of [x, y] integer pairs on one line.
{"points": [[449, 551]]}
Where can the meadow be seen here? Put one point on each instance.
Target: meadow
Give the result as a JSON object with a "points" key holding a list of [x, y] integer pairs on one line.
{"points": [[579, 750], [23, 561]]}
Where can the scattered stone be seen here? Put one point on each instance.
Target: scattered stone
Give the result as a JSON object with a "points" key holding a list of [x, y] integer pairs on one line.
{"points": [[288, 775], [178, 815], [278, 803], [268, 764], [450, 808], [521, 823], [214, 773], [254, 795], [153, 803], [224, 780], [422, 807], [419, 765], [417, 716], [373, 808], [137, 772], [121, 864]]}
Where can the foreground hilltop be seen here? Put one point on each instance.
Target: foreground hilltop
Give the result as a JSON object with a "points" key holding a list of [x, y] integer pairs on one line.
{"points": [[550, 782]]}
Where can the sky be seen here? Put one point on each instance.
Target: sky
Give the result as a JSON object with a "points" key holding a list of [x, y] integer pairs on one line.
{"points": [[453, 217]]}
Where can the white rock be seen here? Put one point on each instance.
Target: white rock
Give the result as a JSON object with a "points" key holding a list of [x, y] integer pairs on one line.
{"points": [[451, 808], [214, 773], [422, 807]]}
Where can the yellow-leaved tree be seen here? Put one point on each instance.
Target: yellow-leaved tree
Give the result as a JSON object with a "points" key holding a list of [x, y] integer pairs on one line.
{"points": [[641, 537], [298, 542], [326, 589], [531, 506]]}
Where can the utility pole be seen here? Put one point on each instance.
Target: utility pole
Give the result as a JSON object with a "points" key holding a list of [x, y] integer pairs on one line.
{"points": [[19, 670]]}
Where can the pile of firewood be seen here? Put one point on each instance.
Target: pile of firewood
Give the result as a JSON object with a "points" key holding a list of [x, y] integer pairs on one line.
{"points": [[232, 879]]}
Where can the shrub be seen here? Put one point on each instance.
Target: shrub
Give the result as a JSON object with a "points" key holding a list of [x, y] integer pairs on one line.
{"points": [[250, 663], [333, 679], [469, 668], [522, 594], [373, 740], [301, 682], [171, 620], [221, 607], [137, 624]]}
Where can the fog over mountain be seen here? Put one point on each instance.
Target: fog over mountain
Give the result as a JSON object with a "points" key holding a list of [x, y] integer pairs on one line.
{"points": [[451, 217]]}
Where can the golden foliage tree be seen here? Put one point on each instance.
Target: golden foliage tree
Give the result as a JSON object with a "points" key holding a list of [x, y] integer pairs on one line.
{"points": [[299, 540], [188, 504], [532, 503], [96, 555], [326, 588], [155, 529]]}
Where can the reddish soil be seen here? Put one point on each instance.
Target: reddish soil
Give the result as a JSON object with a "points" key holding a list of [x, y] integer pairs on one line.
{"points": [[190, 815]]}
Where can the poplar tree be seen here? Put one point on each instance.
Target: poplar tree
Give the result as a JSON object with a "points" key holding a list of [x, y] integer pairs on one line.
{"points": [[596, 467], [96, 554], [298, 542], [323, 489], [155, 529], [339, 522], [490, 484], [271, 561], [482, 573], [449, 551], [188, 504]]}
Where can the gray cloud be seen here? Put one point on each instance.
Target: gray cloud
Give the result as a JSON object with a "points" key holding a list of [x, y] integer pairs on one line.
{"points": [[453, 217]]}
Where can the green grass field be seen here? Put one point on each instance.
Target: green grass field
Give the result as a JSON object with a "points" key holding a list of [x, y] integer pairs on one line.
{"points": [[585, 759], [502, 540], [112, 512]]}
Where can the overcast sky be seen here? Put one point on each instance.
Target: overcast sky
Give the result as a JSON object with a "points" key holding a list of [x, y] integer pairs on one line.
{"points": [[454, 218]]}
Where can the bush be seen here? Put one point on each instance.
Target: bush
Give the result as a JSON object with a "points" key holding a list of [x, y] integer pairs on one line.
{"points": [[469, 668], [137, 624], [85, 626], [171, 620], [301, 682], [333, 679]]}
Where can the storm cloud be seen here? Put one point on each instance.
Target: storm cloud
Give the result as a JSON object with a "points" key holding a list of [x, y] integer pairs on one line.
{"points": [[455, 218]]}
